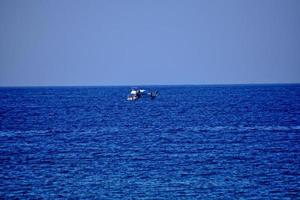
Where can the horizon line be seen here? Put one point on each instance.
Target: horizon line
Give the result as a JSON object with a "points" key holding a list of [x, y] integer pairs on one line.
{"points": [[159, 85]]}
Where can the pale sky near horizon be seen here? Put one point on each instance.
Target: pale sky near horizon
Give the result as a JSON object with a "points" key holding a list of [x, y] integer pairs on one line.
{"points": [[140, 42]]}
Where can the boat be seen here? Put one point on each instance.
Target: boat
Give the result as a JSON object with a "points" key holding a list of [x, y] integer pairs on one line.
{"points": [[136, 94]]}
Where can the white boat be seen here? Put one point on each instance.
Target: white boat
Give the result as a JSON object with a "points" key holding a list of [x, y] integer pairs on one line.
{"points": [[135, 94]]}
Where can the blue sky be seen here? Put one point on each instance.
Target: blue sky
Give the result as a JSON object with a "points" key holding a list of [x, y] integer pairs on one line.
{"points": [[138, 42]]}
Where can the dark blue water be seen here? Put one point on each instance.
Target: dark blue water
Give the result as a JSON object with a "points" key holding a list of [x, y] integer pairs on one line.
{"points": [[192, 142]]}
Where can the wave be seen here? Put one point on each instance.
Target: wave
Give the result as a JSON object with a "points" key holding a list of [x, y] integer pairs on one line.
{"points": [[149, 129], [244, 128]]}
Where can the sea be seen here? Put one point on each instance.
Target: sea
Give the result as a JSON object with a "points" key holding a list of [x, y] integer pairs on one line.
{"points": [[191, 142]]}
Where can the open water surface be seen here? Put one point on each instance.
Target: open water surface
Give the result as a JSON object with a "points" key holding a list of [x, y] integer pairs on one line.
{"points": [[192, 142]]}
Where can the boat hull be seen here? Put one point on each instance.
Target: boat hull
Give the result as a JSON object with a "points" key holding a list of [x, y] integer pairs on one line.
{"points": [[132, 98]]}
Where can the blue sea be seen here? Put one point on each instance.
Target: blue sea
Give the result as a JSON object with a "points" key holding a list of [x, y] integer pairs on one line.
{"points": [[191, 142]]}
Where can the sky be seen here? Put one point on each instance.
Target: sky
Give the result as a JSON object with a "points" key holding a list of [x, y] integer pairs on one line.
{"points": [[149, 42]]}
